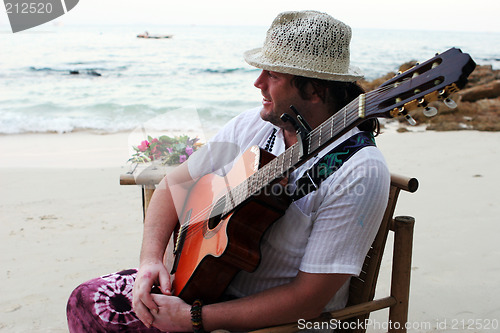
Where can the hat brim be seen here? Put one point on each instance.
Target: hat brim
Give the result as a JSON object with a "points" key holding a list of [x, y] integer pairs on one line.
{"points": [[256, 58]]}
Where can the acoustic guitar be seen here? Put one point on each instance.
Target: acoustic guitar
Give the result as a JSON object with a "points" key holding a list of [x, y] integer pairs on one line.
{"points": [[224, 218]]}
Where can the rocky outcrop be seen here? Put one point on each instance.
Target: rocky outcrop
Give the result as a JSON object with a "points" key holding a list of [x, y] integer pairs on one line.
{"points": [[478, 103], [487, 90]]}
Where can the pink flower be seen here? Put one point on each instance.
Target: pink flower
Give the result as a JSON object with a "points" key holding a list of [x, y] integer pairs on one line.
{"points": [[189, 150], [182, 158], [155, 153], [170, 150], [143, 146]]}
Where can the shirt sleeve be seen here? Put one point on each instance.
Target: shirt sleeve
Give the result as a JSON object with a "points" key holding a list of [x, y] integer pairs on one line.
{"points": [[349, 215], [217, 155]]}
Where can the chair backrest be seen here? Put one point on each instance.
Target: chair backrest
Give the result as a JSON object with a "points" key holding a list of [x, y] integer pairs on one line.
{"points": [[362, 287]]}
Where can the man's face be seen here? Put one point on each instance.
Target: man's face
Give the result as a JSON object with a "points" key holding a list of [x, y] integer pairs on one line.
{"points": [[278, 94]]}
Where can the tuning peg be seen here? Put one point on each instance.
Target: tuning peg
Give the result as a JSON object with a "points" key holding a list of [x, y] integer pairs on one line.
{"points": [[410, 120], [447, 101], [430, 111], [450, 103]]}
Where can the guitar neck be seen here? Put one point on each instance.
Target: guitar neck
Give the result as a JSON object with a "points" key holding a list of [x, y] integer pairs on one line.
{"points": [[296, 155]]}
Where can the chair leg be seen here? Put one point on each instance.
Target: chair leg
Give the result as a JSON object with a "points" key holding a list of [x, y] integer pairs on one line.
{"points": [[147, 193], [401, 270]]}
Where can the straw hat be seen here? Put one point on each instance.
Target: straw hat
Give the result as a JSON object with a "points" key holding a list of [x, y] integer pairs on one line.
{"points": [[306, 43]]}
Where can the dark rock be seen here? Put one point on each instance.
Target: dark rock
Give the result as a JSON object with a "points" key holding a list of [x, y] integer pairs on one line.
{"points": [[475, 93]]}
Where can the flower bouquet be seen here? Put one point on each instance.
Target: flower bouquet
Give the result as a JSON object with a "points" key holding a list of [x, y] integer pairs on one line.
{"points": [[165, 149]]}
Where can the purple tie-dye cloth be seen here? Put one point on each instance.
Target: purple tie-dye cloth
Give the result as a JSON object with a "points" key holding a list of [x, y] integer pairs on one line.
{"points": [[105, 305]]}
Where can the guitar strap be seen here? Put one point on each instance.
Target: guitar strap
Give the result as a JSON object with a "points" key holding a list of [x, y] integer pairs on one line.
{"points": [[331, 162]]}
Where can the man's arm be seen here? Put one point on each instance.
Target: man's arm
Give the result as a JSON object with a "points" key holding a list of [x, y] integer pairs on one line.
{"points": [[160, 221], [303, 298]]}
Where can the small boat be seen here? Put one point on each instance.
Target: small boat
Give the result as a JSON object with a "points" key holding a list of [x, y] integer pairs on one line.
{"points": [[147, 35]]}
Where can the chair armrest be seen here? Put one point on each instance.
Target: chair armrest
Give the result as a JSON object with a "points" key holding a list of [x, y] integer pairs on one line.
{"points": [[404, 183], [345, 313]]}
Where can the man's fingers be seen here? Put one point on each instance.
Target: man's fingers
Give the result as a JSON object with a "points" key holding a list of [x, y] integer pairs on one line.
{"points": [[142, 311], [143, 314], [143, 296], [144, 305]]}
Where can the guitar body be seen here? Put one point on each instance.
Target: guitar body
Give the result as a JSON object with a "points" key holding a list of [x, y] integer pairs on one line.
{"points": [[215, 248]]}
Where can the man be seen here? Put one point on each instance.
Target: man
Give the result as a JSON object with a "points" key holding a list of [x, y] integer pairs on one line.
{"points": [[309, 254]]}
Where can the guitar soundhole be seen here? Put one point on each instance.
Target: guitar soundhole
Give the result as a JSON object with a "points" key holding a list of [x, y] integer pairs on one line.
{"points": [[216, 214]]}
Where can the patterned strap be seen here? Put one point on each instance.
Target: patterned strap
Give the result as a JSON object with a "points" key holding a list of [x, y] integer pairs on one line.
{"points": [[331, 162]]}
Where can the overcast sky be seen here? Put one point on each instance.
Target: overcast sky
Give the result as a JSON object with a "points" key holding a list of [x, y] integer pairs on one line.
{"points": [[455, 15]]}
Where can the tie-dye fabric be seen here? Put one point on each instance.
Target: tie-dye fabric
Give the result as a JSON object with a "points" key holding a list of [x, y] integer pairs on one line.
{"points": [[104, 305]]}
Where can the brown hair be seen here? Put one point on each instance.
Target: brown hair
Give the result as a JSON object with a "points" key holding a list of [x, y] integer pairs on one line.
{"points": [[337, 94]]}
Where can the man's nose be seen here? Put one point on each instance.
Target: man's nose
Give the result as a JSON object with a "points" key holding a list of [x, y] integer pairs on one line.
{"points": [[259, 82]]}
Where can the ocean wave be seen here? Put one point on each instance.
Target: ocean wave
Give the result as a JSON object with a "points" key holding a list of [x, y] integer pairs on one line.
{"points": [[56, 118], [62, 124], [106, 118], [221, 70], [83, 71], [77, 69]]}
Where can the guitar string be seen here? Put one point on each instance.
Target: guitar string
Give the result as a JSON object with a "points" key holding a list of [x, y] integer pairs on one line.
{"points": [[353, 114]]}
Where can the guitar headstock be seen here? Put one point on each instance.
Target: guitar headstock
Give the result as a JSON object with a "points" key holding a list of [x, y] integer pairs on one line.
{"points": [[435, 79]]}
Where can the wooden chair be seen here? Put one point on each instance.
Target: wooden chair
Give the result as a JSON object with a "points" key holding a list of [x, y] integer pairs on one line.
{"points": [[362, 288]]}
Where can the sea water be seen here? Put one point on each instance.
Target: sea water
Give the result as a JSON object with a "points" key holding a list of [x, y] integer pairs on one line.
{"points": [[106, 80]]}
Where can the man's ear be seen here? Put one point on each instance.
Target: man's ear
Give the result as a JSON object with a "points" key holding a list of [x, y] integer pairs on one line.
{"points": [[314, 97], [312, 93], [317, 93]]}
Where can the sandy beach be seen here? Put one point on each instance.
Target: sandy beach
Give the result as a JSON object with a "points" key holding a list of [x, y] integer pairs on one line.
{"points": [[66, 219]]}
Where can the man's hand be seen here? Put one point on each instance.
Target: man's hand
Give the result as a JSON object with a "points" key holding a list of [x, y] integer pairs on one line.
{"points": [[174, 315], [149, 275]]}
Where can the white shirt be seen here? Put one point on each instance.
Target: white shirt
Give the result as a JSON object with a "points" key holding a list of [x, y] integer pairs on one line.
{"points": [[327, 231]]}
